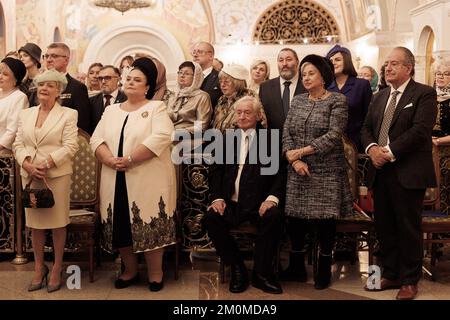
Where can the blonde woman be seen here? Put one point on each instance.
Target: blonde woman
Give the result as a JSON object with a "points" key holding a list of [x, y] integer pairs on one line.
{"points": [[259, 72], [45, 145]]}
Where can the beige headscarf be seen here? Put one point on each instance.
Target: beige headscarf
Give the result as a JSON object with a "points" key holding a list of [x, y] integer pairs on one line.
{"points": [[197, 81], [161, 81]]}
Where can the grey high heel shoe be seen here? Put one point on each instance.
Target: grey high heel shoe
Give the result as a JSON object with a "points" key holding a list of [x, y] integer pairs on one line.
{"points": [[40, 285], [56, 287]]}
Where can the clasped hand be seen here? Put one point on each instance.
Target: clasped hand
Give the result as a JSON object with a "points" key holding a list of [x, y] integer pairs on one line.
{"points": [[301, 168], [379, 156], [293, 155], [118, 163]]}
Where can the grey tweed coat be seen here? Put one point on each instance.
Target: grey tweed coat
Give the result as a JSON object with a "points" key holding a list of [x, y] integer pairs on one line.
{"points": [[326, 193]]}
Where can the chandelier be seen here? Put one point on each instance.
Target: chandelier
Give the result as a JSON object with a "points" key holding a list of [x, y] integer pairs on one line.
{"points": [[123, 5]]}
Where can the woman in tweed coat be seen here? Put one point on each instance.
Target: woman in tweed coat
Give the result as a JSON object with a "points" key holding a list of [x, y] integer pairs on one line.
{"points": [[317, 187]]}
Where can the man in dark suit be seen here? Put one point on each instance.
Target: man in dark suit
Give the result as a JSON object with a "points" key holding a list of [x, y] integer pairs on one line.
{"points": [[203, 54], [241, 191], [397, 136], [276, 94], [108, 77], [76, 95]]}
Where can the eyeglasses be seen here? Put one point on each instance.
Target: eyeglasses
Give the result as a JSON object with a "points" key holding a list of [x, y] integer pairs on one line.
{"points": [[199, 52], [442, 74], [184, 74], [106, 78], [53, 56]]}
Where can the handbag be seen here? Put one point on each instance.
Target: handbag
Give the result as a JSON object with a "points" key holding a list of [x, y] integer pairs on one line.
{"points": [[366, 199], [37, 198]]}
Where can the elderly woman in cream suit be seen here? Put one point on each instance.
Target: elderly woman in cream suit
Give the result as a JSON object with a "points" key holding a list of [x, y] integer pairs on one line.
{"points": [[138, 189], [45, 144]]}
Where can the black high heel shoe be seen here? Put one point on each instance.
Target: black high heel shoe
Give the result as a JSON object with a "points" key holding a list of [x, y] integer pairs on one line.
{"points": [[40, 285], [155, 286], [121, 284]]}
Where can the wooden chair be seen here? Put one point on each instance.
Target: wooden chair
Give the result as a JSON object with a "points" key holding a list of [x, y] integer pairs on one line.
{"points": [[356, 226], [84, 202], [435, 217]]}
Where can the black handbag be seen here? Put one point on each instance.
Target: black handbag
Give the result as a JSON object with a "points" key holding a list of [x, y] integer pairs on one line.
{"points": [[37, 198]]}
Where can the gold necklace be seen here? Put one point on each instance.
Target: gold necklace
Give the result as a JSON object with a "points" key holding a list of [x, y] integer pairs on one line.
{"points": [[318, 98]]}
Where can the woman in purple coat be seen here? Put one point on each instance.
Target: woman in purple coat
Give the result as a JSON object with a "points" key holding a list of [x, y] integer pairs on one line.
{"points": [[357, 91]]}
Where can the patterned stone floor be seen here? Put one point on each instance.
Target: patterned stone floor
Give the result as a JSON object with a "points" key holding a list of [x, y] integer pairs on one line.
{"points": [[199, 280]]}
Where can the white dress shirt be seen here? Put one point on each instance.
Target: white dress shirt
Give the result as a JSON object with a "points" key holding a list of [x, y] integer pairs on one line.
{"points": [[207, 71], [292, 86], [113, 97], [401, 90]]}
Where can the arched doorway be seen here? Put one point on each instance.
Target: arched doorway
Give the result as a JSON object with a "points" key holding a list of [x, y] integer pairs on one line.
{"points": [[121, 39], [427, 47], [2, 32]]}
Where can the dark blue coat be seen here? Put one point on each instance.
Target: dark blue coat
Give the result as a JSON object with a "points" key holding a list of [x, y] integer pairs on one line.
{"points": [[359, 95]]}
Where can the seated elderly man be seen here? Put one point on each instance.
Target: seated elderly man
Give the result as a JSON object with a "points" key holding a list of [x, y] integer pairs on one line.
{"points": [[247, 188]]}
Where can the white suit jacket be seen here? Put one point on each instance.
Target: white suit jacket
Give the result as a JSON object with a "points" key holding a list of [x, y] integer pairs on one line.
{"points": [[57, 139]]}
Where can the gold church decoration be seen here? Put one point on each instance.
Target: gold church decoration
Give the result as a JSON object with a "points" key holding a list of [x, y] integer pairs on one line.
{"points": [[123, 5], [296, 22]]}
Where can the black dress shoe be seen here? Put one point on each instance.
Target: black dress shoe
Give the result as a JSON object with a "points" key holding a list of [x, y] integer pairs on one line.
{"points": [[121, 284], [155, 286], [239, 278], [266, 284]]}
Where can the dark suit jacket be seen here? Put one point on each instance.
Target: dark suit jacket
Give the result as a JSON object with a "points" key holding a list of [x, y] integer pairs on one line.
{"points": [[409, 134], [254, 188], [359, 95], [97, 107], [270, 96], [76, 97], [212, 87]]}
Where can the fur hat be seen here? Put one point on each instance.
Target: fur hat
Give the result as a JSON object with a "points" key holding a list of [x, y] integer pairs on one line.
{"points": [[324, 66], [17, 67], [147, 67]]}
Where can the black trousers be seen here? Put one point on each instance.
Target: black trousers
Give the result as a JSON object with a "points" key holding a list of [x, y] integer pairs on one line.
{"points": [[269, 228], [324, 230], [398, 219]]}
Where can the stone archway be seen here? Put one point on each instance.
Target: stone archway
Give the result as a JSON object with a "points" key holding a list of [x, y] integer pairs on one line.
{"points": [[121, 39], [425, 49]]}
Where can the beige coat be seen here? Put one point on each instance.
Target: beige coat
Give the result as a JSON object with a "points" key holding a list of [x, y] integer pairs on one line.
{"points": [[151, 185], [56, 138]]}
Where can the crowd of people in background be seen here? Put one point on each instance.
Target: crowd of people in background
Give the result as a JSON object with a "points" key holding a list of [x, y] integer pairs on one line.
{"points": [[132, 114]]}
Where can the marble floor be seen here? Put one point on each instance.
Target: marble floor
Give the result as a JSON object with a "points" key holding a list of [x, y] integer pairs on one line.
{"points": [[199, 280]]}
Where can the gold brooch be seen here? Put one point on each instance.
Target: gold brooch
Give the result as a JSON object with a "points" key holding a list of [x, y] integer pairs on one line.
{"points": [[144, 114]]}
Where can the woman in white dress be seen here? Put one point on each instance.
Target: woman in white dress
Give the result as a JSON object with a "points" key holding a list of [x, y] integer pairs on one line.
{"points": [[45, 145], [12, 101], [138, 188]]}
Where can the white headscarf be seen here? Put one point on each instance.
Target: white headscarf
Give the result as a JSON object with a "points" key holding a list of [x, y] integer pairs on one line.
{"points": [[197, 81]]}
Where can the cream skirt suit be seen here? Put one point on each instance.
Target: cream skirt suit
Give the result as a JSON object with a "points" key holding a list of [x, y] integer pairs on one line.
{"points": [[56, 138]]}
